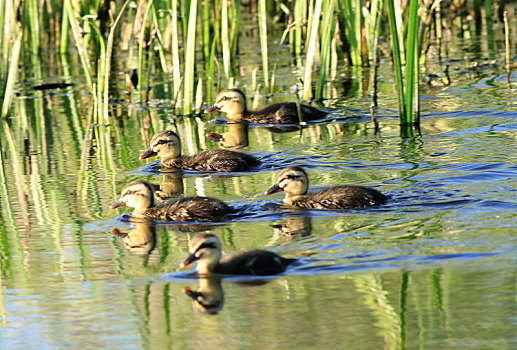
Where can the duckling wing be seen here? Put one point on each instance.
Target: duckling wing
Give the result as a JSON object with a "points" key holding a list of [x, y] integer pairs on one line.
{"points": [[344, 197], [191, 209], [285, 113], [222, 160], [254, 262]]}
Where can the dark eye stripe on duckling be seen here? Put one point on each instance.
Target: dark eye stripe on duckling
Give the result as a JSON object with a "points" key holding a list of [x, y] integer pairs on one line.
{"points": [[162, 142], [209, 245], [227, 98], [133, 193]]}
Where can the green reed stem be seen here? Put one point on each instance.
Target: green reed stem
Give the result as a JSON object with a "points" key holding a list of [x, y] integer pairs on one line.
{"points": [[206, 31], [32, 18], [211, 69], [235, 26], [225, 39], [141, 46], [311, 51], [262, 22], [63, 45], [159, 41], [109, 52], [80, 44], [327, 25], [397, 61], [11, 75], [176, 72], [298, 17], [351, 14], [412, 65], [190, 59]]}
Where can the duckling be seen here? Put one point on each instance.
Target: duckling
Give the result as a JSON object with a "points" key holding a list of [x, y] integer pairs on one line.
{"points": [[167, 145], [233, 102], [206, 249], [294, 181], [140, 195]]}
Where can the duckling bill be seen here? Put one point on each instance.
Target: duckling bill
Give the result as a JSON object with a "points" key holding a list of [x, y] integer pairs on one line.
{"points": [[206, 250], [167, 145], [140, 195], [294, 182], [233, 102]]}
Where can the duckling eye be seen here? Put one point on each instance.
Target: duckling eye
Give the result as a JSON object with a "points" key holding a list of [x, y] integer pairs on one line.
{"points": [[161, 142], [292, 177], [225, 98]]}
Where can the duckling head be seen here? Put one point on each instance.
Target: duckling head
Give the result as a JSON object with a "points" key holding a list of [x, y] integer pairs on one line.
{"points": [[231, 101], [165, 144], [137, 194], [205, 249], [292, 180]]}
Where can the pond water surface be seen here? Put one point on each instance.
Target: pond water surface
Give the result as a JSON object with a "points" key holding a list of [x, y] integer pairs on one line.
{"points": [[435, 267]]}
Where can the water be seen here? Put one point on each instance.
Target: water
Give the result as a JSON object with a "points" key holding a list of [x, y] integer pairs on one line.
{"points": [[435, 267]]}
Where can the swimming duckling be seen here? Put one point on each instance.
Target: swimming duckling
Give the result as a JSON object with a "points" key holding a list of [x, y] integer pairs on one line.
{"points": [[167, 145], [233, 102], [140, 195], [206, 249], [294, 182]]}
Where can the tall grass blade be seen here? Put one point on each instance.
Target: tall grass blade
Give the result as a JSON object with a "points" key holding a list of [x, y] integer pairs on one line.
{"points": [[311, 51], [176, 72], [225, 39], [109, 52], [397, 60], [11, 75], [351, 13], [190, 59], [141, 46], [80, 44], [262, 22], [235, 26], [412, 65], [327, 29]]}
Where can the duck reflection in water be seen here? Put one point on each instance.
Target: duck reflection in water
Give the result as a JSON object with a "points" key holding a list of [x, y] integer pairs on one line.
{"points": [[235, 138], [141, 240], [206, 250], [209, 298], [170, 187], [295, 226]]}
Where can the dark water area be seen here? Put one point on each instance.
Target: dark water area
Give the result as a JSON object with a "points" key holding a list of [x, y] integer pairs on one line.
{"points": [[433, 267]]}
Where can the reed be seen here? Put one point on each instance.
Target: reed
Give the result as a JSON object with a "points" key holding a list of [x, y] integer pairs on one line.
{"points": [[190, 59], [142, 45], [412, 67], [225, 38], [8, 86], [311, 50], [176, 72], [408, 93], [80, 44], [107, 63], [327, 29], [350, 12], [234, 30], [262, 23]]}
